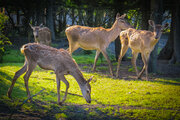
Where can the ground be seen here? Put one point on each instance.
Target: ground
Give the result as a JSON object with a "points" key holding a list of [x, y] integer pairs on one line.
{"points": [[75, 110]]}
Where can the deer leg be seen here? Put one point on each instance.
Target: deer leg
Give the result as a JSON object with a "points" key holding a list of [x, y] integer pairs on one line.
{"points": [[67, 87], [133, 60], [95, 60], [58, 78], [145, 59], [144, 67], [140, 74], [16, 76], [124, 49], [30, 68], [58, 88], [108, 60]]}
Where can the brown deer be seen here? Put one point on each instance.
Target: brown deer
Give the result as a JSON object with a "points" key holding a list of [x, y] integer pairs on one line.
{"points": [[48, 58], [140, 41], [41, 34], [95, 38]]}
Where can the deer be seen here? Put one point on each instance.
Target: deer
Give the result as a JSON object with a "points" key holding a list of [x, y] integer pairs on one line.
{"points": [[95, 38], [48, 58], [140, 41], [41, 34]]}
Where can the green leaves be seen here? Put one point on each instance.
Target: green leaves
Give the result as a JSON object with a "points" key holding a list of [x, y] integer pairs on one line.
{"points": [[3, 39]]}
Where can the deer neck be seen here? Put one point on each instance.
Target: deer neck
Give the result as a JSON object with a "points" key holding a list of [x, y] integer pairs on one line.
{"points": [[79, 77], [154, 41], [114, 32]]}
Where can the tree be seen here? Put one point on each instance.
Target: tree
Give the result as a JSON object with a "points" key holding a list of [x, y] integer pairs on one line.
{"points": [[167, 52], [177, 33], [3, 39], [49, 18], [156, 15]]}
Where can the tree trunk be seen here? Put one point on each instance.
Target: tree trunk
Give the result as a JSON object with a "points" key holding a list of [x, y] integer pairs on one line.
{"points": [[177, 33], [39, 14], [60, 20], [80, 14], [117, 47], [72, 16], [167, 52], [90, 17], [145, 9], [156, 15], [49, 18]]}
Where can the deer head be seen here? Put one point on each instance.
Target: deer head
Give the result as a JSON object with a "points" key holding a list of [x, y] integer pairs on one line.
{"points": [[86, 90], [158, 29], [122, 23], [36, 30]]}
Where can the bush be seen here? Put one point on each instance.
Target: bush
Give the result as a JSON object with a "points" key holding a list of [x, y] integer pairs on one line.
{"points": [[3, 39]]}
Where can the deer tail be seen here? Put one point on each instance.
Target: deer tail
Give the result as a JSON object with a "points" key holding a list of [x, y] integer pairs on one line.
{"points": [[24, 47]]}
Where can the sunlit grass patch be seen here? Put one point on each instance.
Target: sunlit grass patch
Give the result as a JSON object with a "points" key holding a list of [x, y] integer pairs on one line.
{"points": [[149, 114]]}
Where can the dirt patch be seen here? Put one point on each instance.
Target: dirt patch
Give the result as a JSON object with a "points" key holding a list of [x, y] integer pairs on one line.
{"points": [[128, 73]]}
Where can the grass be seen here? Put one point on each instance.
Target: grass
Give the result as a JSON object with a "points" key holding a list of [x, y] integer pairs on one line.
{"points": [[111, 98], [13, 56], [158, 99]]}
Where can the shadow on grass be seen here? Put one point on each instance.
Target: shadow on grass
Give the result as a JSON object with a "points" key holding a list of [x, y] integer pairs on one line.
{"points": [[168, 81], [51, 111], [5, 84], [74, 112]]}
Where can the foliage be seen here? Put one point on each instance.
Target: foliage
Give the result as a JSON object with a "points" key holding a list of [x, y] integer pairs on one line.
{"points": [[3, 39], [111, 98], [13, 55]]}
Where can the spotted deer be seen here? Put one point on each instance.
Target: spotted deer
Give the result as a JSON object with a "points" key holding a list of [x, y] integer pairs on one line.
{"points": [[48, 58], [140, 41], [95, 38], [41, 34]]}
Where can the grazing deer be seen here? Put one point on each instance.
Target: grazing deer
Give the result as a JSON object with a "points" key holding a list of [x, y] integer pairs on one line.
{"points": [[140, 41], [48, 58], [95, 38], [41, 34]]}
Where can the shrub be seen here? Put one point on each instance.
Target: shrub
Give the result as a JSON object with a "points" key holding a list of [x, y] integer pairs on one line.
{"points": [[3, 39]]}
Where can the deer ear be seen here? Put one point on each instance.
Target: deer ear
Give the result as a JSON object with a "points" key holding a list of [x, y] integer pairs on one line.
{"points": [[165, 26], [117, 15], [89, 80], [41, 25], [123, 16], [151, 23]]}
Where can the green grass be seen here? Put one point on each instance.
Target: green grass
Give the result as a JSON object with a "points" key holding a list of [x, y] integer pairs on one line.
{"points": [[111, 98], [13, 55]]}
